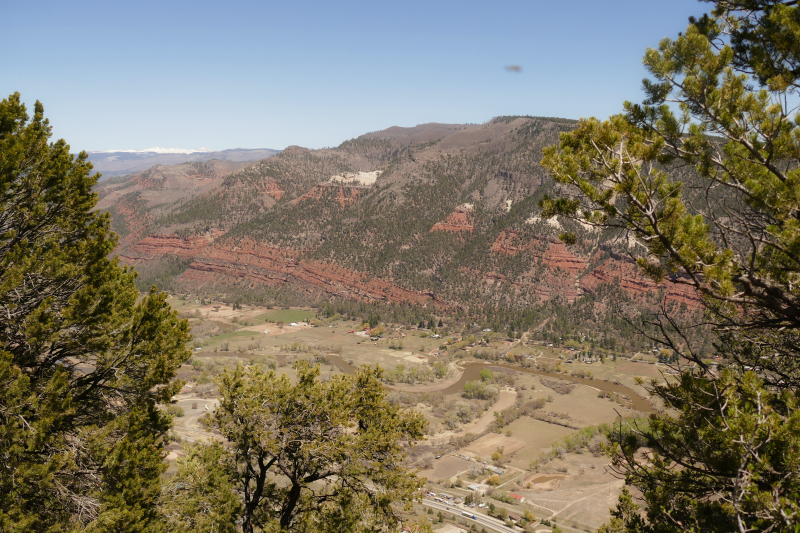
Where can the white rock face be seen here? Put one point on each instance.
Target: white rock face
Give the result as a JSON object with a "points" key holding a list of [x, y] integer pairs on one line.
{"points": [[362, 178], [550, 221]]}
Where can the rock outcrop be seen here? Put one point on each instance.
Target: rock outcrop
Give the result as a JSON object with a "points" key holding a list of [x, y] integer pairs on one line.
{"points": [[158, 245], [372, 220], [253, 264], [457, 221]]}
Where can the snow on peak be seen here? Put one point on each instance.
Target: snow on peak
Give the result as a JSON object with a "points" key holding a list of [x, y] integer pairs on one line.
{"points": [[157, 150]]}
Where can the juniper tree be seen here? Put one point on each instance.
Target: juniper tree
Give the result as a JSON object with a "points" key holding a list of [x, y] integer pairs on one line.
{"points": [[316, 456], [83, 359], [200, 497], [719, 102]]}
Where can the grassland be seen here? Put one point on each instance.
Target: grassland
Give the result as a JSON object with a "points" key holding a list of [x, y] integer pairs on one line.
{"points": [[284, 315], [577, 481]]}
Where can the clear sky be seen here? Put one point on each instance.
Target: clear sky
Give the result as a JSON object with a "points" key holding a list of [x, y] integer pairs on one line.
{"points": [[256, 74]]}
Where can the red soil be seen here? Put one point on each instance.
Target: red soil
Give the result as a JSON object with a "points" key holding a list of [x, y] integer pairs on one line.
{"points": [[459, 220]]}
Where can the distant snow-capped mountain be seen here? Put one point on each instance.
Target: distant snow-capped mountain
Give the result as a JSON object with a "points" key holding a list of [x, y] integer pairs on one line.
{"points": [[156, 150], [119, 162]]}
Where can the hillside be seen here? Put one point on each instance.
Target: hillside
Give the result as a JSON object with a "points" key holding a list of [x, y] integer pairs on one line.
{"points": [[119, 163], [437, 217]]}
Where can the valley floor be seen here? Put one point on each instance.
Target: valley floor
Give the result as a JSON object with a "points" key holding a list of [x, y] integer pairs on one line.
{"points": [[575, 489]]}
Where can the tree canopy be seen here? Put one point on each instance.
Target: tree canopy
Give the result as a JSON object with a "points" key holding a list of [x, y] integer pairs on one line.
{"points": [[704, 176], [315, 456], [83, 359]]}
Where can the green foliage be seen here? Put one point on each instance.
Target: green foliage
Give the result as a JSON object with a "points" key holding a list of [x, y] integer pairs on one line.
{"points": [[506, 416], [286, 316], [200, 497], [410, 374], [175, 410], [727, 458], [311, 455], [396, 345], [82, 363], [479, 390]]}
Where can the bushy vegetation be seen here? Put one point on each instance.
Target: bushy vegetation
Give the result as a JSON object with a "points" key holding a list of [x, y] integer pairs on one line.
{"points": [[480, 390], [84, 358], [412, 374], [720, 101], [521, 408]]}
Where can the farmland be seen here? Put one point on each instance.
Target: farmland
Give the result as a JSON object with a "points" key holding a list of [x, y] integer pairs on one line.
{"points": [[521, 430]]}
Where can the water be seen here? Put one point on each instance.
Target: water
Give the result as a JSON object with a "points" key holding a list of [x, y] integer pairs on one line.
{"points": [[472, 373]]}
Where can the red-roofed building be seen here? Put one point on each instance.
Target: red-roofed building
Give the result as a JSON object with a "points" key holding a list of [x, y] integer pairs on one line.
{"points": [[521, 499]]}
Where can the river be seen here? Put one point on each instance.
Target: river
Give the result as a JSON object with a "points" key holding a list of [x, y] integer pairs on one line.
{"points": [[472, 371]]}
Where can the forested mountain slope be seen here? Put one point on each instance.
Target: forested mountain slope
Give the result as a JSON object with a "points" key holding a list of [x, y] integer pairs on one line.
{"points": [[440, 215]]}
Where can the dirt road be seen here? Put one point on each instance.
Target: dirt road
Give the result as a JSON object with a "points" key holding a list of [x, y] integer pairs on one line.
{"points": [[504, 400]]}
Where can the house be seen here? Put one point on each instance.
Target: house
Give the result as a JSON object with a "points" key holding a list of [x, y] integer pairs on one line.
{"points": [[475, 486], [517, 497], [514, 517]]}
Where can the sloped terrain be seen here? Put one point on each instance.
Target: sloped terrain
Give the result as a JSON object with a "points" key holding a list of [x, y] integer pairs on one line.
{"points": [[113, 164], [437, 215]]}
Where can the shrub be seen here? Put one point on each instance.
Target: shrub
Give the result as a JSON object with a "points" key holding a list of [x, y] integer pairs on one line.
{"points": [[175, 410]]}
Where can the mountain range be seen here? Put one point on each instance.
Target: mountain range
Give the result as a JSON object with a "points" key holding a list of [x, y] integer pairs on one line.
{"points": [[437, 217], [112, 163]]}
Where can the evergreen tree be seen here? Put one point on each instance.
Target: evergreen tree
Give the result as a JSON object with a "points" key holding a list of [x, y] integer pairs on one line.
{"points": [[727, 458], [83, 360], [200, 497], [315, 456]]}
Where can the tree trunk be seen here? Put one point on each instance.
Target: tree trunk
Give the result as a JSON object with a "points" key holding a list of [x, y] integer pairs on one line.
{"points": [[291, 503]]}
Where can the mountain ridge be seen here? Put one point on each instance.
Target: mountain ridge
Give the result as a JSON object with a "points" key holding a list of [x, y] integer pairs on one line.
{"points": [[114, 163], [451, 222]]}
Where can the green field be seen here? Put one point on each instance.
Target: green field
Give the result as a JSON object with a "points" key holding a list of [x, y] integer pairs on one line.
{"points": [[286, 316], [232, 335]]}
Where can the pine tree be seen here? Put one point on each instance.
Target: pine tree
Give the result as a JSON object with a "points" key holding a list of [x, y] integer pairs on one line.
{"points": [[727, 457], [83, 359]]}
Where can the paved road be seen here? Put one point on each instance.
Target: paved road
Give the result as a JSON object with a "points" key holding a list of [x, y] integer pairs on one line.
{"points": [[482, 520], [487, 521]]}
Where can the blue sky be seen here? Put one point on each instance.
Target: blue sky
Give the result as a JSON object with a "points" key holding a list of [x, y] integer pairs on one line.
{"points": [[255, 74]]}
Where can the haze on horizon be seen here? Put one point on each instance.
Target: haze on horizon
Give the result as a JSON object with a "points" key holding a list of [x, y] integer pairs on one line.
{"points": [[182, 75]]}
